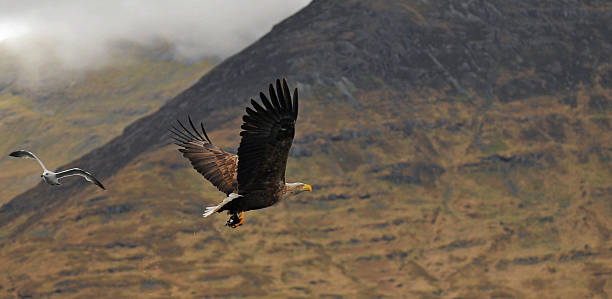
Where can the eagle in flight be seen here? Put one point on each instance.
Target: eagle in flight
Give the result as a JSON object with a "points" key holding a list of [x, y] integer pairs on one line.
{"points": [[255, 178]]}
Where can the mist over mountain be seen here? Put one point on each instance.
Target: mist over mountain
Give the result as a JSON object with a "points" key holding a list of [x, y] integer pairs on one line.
{"points": [[71, 35], [456, 149]]}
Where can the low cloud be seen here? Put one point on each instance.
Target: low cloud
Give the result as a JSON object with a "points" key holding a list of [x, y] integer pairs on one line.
{"points": [[80, 34]]}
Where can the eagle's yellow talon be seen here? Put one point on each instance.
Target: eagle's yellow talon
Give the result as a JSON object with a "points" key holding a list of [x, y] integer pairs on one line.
{"points": [[232, 219], [241, 217]]}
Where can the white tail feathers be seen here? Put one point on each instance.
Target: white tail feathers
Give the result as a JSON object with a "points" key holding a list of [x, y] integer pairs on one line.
{"points": [[210, 210]]}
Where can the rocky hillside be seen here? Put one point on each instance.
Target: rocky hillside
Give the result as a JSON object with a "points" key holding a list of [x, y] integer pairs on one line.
{"points": [[456, 149]]}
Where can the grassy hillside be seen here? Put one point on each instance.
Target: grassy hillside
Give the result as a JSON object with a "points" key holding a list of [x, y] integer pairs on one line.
{"points": [[63, 114], [510, 207]]}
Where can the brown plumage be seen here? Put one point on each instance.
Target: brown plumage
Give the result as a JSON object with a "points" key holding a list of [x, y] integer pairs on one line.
{"points": [[255, 178], [215, 164]]}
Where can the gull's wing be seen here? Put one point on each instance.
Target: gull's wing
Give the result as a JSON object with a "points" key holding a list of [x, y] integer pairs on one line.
{"points": [[83, 173], [26, 154], [267, 135], [215, 164]]}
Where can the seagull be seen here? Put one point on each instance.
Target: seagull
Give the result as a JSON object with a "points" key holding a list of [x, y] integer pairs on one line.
{"points": [[52, 178]]}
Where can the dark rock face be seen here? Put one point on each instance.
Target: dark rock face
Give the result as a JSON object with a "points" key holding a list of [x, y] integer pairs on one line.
{"points": [[599, 103], [335, 50]]}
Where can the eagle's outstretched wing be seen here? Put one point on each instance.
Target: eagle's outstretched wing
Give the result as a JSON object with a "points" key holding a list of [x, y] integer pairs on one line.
{"points": [[215, 164], [267, 135]]}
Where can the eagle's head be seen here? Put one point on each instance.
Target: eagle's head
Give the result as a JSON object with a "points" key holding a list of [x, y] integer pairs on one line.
{"points": [[296, 188]]}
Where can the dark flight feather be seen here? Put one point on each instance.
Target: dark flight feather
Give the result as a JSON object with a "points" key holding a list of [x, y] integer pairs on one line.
{"points": [[267, 137]]}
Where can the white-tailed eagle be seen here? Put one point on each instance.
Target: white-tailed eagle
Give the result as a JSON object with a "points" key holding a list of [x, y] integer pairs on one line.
{"points": [[255, 178]]}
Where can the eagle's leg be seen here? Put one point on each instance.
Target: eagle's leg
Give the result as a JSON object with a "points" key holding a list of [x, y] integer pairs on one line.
{"points": [[235, 220], [241, 217]]}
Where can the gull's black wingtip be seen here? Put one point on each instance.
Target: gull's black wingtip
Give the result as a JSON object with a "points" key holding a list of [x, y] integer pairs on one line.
{"points": [[19, 153], [99, 184]]}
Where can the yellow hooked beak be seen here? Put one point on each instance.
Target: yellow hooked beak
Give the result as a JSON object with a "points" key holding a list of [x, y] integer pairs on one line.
{"points": [[307, 187]]}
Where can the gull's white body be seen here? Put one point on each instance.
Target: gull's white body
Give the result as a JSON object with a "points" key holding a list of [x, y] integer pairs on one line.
{"points": [[51, 177]]}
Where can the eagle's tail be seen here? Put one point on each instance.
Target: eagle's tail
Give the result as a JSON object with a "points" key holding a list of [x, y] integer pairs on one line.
{"points": [[210, 210]]}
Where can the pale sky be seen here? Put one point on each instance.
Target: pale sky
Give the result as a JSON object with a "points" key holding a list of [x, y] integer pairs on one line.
{"points": [[79, 31]]}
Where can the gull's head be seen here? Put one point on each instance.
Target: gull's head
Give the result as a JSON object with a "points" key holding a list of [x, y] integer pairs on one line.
{"points": [[296, 188]]}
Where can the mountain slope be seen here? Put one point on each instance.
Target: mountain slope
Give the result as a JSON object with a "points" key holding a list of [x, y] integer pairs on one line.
{"points": [[455, 150]]}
